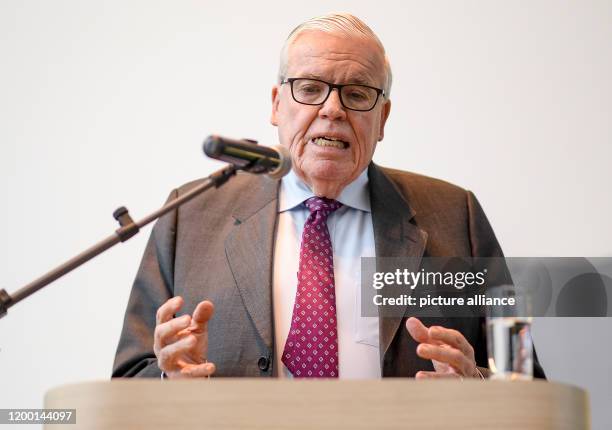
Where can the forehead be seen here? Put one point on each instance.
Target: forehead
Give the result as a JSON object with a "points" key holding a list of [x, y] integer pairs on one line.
{"points": [[337, 58]]}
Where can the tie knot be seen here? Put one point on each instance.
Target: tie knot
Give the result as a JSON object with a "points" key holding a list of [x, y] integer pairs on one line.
{"points": [[322, 204]]}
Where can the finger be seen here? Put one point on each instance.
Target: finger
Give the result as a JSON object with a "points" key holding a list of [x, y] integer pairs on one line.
{"points": [[168, 332], [198, 370], [417, 330], [168, 355], [202, 314], [422, 374], [451, 337], [168, 309], [451, 356]]}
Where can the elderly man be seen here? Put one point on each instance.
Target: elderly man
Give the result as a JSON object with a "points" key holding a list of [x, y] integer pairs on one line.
{"points": [[234, 252]]}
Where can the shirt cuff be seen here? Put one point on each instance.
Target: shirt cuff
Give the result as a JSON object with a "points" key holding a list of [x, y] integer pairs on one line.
{"points": [[480, 373]]}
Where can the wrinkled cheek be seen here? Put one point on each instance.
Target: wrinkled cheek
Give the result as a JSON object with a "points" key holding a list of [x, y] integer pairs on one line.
{"points": [[296, 155], [294, 150]]}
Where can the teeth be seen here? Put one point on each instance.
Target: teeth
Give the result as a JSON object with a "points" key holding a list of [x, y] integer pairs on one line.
{"points": [[329, 141]]}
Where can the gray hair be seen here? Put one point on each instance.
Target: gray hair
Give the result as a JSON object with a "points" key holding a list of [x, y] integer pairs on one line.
{"points": [[343, 23]]}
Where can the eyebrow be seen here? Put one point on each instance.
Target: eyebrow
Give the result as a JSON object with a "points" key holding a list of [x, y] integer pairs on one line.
{"points": [[359, 79]]}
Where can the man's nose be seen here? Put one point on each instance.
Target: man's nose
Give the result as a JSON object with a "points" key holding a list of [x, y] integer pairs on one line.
{"points": [[332, 108]]}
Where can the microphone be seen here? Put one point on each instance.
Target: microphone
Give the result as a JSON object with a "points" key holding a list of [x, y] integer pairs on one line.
{"points": [[247, 155]]}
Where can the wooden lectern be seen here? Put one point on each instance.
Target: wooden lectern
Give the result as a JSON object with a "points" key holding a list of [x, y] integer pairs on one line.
{"points": [[220, 403]]}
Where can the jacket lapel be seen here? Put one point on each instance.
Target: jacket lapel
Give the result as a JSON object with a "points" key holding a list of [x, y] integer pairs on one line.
{"points": [[249, 248], [394, 236]]}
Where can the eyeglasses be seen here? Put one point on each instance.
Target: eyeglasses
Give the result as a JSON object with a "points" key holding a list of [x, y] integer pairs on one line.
{"points": [[314, 92]]}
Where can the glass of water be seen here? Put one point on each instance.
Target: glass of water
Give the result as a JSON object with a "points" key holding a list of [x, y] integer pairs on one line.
{"points": [[509, 342]]}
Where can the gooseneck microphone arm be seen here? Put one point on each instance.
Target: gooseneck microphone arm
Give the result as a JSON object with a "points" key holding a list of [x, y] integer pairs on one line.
{"points": [[128, 228]]}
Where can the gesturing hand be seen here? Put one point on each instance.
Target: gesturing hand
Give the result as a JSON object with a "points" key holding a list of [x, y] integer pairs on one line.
{"points": [[181, 344], [451, 354]]}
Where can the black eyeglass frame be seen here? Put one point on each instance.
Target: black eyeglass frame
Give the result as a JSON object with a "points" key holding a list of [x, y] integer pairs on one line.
{"points": [[331, 87]]}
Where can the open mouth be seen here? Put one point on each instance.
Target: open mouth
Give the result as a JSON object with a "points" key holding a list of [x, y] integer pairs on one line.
{"points": [[332, 142]]}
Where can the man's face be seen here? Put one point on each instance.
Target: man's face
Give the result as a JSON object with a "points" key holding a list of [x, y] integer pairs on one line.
{"points": [[328, 166]]}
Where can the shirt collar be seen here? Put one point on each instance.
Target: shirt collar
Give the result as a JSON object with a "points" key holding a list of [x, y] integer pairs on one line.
{"points": [[293, 191]]}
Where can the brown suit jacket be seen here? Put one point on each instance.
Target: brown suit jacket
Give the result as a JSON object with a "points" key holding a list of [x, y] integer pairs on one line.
{"points": [[220, 247]]}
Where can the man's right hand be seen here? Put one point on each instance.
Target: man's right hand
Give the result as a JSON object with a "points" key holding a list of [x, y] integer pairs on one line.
{"points": [[181, 344]]}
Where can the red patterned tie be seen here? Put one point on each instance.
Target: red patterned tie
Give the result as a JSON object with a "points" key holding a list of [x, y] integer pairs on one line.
{"points": [[311, 350]]}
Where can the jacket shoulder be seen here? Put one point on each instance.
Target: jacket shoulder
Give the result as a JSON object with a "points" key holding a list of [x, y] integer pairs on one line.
{"points": [[425, 193], [238, 189], [238, 183]]}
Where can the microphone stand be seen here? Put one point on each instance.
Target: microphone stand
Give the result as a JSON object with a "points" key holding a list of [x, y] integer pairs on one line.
{"points": [[128, 228]]}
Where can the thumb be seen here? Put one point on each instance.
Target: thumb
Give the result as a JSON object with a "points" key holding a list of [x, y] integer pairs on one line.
{"points": [[417, 330], [202, 314]]}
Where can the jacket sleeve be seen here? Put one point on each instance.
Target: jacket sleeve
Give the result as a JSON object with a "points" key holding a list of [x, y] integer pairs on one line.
{"points": [[484, 244], [154, 285]]}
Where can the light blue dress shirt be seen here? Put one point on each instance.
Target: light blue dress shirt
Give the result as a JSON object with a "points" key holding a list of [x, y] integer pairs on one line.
{"points": [[352, 237]]}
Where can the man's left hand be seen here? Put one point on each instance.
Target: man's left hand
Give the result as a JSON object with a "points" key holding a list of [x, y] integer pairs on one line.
{"points": [[451, 354]]}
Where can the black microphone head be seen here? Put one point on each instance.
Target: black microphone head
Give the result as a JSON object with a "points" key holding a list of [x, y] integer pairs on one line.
{"points": [[213, 146]]}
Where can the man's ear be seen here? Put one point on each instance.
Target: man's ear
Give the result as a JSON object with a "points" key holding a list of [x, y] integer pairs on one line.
{"points": [[275, 102], [384, 115]]}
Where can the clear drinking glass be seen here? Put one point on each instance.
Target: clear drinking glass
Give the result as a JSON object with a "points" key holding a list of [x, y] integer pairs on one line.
{"points": [[509, 342]]}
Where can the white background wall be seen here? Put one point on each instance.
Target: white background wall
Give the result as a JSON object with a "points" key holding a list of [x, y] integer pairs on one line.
{"points": [[106, 103]]}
